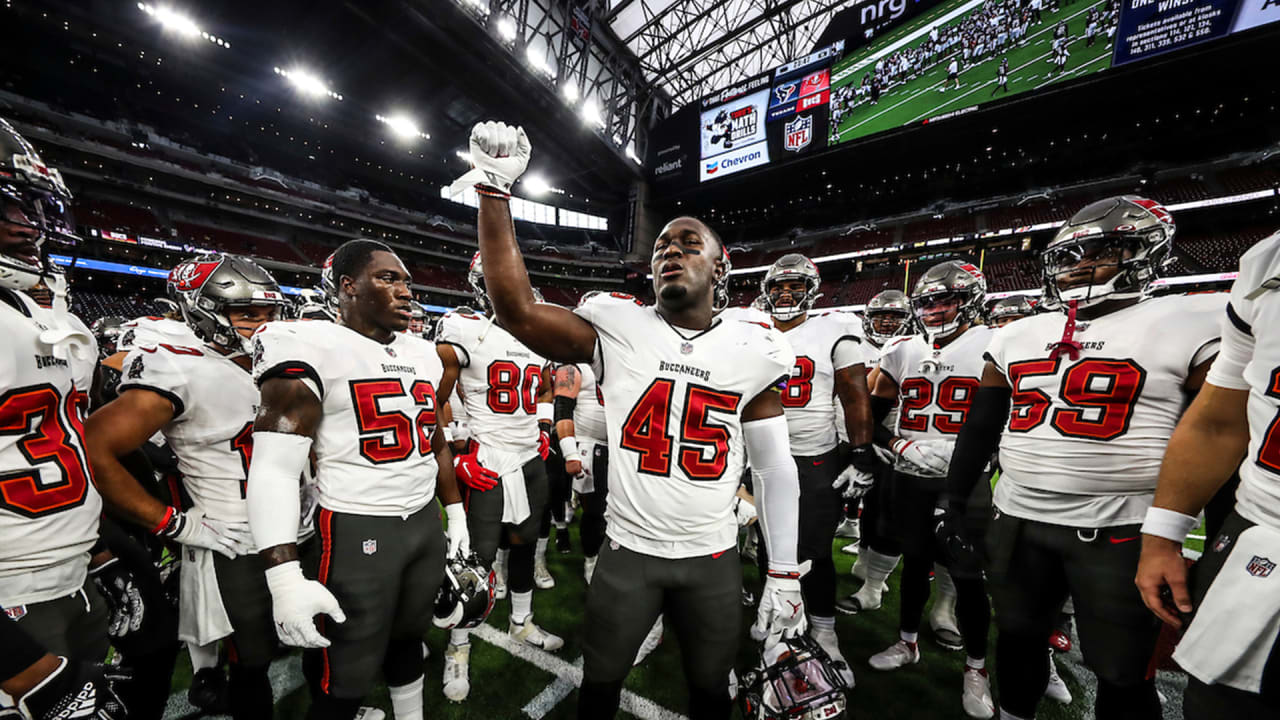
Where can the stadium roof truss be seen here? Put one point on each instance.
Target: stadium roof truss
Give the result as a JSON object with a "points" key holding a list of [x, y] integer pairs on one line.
{"points": [[691, 48]]}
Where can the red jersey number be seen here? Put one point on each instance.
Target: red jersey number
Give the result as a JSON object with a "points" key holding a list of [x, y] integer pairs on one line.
{"points": [[704, 443], [1100, 397], [390, 435], [56, 421]]}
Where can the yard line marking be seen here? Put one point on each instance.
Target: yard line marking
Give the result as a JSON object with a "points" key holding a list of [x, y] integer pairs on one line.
{"points": [[285, 674], [1073, 71], [543, 702]]}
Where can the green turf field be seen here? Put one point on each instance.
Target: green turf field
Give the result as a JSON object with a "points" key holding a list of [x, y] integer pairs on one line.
{"points": [[919, 99]]}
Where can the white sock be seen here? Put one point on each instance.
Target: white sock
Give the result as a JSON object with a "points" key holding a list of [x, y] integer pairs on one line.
{"points": [[521, 606], [541, 552], [909, 637], [879, 566], [459, 637], [942, 579], [501, 558], [406, 700], [974, 663], [823, 624], [203, 656]]}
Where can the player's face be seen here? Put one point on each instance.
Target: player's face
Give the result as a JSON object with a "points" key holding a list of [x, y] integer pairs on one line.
{"points": [[887, 323], [684, 262], [1004, 320], [1091, 262], [417, 325], [787, 293], [382, 292], [18, 235], [939, 310], [246, 320]]}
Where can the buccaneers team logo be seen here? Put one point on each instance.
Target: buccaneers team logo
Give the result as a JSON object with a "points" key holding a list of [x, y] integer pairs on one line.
{"points": [[191, 275], [135, 368]]}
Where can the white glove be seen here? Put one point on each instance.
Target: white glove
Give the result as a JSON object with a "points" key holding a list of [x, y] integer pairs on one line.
{"points": [[932, 456], [193, 528], [295, 602], [456, 531], [745, 511], [853, 483], [499, 154], [781, 613]]}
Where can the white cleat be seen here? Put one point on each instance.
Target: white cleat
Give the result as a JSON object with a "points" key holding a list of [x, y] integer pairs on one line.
{"points": [[977, 695], [1056, 690], [865, 600], [850, 549], [541, 575], [651, 642], [530, 634], [369, 713], [848, 528], [457, 662], [942, 620], [859, 570], [589, 567], [899, 654], [831, 644]]}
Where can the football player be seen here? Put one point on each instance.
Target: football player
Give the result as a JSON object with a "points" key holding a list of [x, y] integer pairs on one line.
{"points": [[830, 368], [1006, 310], [685, 395], [502, 383], [932, 378], [48, 687], [203, 399], [49, 507], [418, 323], [362, 395], [1086, 400], [1232, 600]]}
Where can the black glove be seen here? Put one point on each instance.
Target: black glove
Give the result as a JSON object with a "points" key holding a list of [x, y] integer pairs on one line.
{"points": [[115, 583], [951, 537], [75, 690], [864, 458]]}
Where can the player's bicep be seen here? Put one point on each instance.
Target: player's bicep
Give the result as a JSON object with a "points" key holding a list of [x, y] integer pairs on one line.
{"points": [[288, 405], [557, 333], [568, 381], [885, 386], [449, 378], [765, 405], [993, 376], [851, 385], [123, 424]]}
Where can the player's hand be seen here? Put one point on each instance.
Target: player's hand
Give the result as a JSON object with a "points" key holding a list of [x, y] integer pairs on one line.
{"points": [[468, 469], [781, 612], [1162, 579], [115, 583], [951, 536], [544, 444], [499, 154], [295, 602], [745, 511], [927, 456], [75, 690], [573, 468], [193, 528], [456, 531], [853, 483]]}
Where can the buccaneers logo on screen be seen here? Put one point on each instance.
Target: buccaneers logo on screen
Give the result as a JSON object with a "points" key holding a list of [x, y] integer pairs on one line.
{"points": [[192, 275]]}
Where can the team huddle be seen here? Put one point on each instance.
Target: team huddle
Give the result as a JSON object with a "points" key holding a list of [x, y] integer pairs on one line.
{"points": [[254, 474]]}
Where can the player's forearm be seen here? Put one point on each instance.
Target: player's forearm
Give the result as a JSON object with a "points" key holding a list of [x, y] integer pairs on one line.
{"points": [[565, 429], [124, 497], [274, 505], [505, 277], [978, 441], [1204, 450], [854, 397], [446, 480]]}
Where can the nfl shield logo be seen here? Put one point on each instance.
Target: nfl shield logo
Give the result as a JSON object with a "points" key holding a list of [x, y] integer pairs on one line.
{"points": [[369, 547], [390, 352], [1260, 566], [798, 133], [1221, 543], [686, 348], [17, 612]]}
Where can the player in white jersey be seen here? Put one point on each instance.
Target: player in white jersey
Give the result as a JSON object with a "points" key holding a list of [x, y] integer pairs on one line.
{"points": [[687, 396], [1006, 310], [932, 379], [203, 399], [504, 472], [1233, 597], [1095, 395], [830, 369], [362, 396]]}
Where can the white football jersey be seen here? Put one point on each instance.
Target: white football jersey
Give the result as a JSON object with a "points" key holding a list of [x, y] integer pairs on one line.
{"points": [[155, 330], [500, 382], [674, 401], [214, 403], [936, 387], [1250, 360], [810, 398], [373, 446], [1085, 437], [742, 312], [588, 411], [49, 507]]}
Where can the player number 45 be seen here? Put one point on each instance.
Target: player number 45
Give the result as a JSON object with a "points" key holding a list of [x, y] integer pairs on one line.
{"points": [[647, 430]]}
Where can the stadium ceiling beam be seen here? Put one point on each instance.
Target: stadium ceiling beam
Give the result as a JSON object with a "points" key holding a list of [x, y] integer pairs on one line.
{"points": [[680, 5], [609, 17], [696, 54]]}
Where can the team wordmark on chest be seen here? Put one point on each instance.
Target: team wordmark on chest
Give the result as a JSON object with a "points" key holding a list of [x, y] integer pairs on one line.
{"points": [[664, 366], [48, 361], [399, 368]]}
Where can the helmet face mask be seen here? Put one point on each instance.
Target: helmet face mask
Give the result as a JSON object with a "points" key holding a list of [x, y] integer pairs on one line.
{"points": [[886, 316], [949, 286], [36, 212], [475, 277], [792, 269], [795, 679]]}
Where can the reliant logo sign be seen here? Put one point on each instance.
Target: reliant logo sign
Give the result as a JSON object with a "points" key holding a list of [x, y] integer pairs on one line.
{"points": [[669, 167], [732, 162]]}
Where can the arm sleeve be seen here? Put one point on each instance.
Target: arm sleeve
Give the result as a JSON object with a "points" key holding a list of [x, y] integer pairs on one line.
{"points": [[564, 407], [1234, 354], [777, 488], [274, 476], [978, 440], [279, 351], [155, 368]]}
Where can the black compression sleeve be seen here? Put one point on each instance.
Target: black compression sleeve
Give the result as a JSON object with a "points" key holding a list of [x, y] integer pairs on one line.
{"points": [[20, 650], [978, 440], [880, 409], [564, 407]]}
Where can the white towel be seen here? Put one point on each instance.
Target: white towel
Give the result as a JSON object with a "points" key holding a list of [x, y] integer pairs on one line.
{"points": [[1236, 624], [510, 469], [584, 482], [201, 617]]}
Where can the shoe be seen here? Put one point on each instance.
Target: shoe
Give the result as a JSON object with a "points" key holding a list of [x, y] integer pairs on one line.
{"points": [[563, 545], [859, 571], [530, 634], [457, 662], [976, 698], [831, 644], [899, 654], [848, 528], [589, 567], [208, 691], [541, 575], [651, 642], [865, 600], [942, 620], [748, 598], [1056, 690], [850, 549], [499, 580], [369, 713]]}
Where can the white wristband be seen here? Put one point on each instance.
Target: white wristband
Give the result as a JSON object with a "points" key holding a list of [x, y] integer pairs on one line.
{"points": [[1168, 524], [455, 515], [448, 434], [546, 411], [569, 449]]}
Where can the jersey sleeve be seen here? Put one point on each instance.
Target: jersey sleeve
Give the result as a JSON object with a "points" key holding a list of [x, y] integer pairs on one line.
{"points": [[1257, 266], [156, 369], [1201, 324], [453, 331], [996, 348], [281, 350], [850, 347], [891, 360], [778, 358], [608, 314]]}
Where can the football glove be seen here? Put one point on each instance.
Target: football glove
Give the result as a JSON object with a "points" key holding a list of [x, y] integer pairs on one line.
{"points": [[115, 583], [745, 512], [499, 155], [544, 444], [931, 456], [472, 474], [456, 531], [295, 602], [75, 690], [951, 537], [853, 483], [781, 612], [193, 528]]}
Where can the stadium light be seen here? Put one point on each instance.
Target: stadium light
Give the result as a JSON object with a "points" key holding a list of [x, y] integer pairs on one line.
{"points": [[307, 83], [591, 113], [535, 184], [180, 23], [403, 127], [539, 62], [570, 92], [507, 29], [463, 154]]}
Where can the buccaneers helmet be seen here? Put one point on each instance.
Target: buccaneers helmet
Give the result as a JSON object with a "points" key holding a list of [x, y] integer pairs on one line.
{"points": [[720, 300], [1006, 310], [475, 276], [329, 286], [953, 278], [466, 595], [36, 200], [107, 331], [1130, 233], [209, 285], [795, 680], [792, 266], [893, 306]]}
